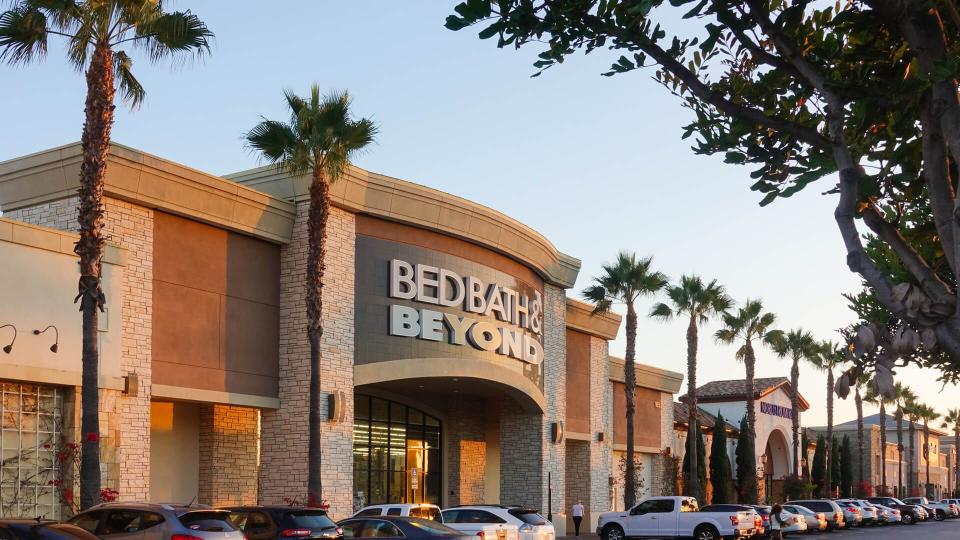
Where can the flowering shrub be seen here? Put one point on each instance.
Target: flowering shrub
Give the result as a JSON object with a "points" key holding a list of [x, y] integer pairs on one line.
{"points": [[864, 489], [68, 456]]}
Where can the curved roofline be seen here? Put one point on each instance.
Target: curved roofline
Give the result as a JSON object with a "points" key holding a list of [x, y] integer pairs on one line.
{"points": [[364, 192]]}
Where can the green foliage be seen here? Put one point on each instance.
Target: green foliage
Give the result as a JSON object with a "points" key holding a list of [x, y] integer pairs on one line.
{"points": [[27, 26], [846, 467], [747, 489], [624, 281], [749, 323], [691, 297], [797, 488], [701, 495], [835, 465], [819, 473], [804, 445], [720, 476]]}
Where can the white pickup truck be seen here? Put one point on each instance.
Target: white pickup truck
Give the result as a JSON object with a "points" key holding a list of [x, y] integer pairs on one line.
{"points": [[675, 517]]}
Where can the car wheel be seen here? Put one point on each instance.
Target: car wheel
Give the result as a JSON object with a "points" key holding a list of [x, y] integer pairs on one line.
{"points": [[613, 532], [908, 519], [706, 532], [940, 515]]}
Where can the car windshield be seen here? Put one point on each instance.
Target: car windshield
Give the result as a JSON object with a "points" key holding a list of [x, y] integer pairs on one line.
{"points": [[425, 512], [310, 519], [207, 520], [530, 517], [431, 528]]}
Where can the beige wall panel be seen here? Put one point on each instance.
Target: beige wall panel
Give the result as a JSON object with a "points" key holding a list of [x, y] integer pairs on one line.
{"points": [[175, 451]]}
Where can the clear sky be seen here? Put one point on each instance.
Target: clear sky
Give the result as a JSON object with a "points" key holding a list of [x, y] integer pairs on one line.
{"points": [[596, 164]]}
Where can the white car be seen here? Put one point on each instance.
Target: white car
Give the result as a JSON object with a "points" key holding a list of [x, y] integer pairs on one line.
{"points": [[417, 510], [676, 517], [509, 522], [793, 522], [816, 521], [941, 509], [887, 514], [868, 516]]}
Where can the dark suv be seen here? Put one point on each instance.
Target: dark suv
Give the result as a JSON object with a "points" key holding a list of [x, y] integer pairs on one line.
{"points": [[909, 514], [283, 522]]}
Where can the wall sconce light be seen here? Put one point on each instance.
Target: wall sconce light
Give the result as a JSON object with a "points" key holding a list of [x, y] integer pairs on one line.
{"points": [[56, 339], [556, 432], [8, 348]]}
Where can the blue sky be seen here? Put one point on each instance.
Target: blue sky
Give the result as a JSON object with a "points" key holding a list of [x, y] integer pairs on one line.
{"points": [[596, 164]]}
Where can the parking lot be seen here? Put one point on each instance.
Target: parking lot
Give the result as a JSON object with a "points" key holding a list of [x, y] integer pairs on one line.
{"points": [[930, 530]]}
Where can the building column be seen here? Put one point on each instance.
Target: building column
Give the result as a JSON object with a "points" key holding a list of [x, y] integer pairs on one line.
{"points": [[466, 454], [229, 438], [285, 431], [601, 421]]}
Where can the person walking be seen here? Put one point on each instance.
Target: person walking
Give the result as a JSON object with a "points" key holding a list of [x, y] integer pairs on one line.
{"points": [[776, 522], [577, 514]]}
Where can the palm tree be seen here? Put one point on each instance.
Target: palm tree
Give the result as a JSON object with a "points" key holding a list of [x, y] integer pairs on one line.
{"points": [[95, 33], [830, 356], [951, 420], [698, 302], [878, 399], [799, 345], [901, 395], [859, 384], [320, 139], [623, 282], [927, 414], [749, 324], [912, 409]]}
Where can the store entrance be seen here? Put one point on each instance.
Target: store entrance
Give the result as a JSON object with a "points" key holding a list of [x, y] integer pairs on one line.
{"points": [[396, 453]]}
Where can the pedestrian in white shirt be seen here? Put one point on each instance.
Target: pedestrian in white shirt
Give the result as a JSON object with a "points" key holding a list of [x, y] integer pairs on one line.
{"points": [[577, 514]]}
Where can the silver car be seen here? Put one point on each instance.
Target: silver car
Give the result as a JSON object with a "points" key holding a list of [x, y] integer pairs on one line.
{"points": [[148, 521]]}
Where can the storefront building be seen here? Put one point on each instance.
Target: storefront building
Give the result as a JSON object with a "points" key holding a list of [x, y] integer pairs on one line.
{"points": [[456, 368]]}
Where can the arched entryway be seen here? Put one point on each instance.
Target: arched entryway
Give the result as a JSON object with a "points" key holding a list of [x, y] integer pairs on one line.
{"points": [[775, 463]]}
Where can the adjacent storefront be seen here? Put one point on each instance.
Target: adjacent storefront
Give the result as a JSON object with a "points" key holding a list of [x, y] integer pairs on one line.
{"points": [[455, 367]]}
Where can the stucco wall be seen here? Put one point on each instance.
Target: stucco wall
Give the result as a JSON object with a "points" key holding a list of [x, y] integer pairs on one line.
{"points": [[174, 439]]}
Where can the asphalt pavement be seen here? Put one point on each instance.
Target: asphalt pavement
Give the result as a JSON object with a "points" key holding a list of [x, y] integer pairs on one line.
{"points": [[928, 530]]}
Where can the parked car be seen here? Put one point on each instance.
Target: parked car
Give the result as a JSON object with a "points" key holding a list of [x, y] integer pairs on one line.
{"points": [[889, 515], [400, 527], [939, 510], [792, 522], [530, 524], [909, 514], [867, 510], [816, 521], [417, 510], [32, 529], [675, 517], [836, 519], [851, 513], [153, 521], [758, 529], [280, 522]]}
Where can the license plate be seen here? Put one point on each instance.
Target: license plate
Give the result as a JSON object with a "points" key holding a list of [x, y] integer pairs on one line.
{"points": [[501, 534]]}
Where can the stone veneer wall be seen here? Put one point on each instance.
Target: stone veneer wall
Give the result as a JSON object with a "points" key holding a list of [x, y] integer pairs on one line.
{"points": [[132, 227], [601, 420], [283, 471], [228, 455], [661, 484], [579, 473], [466, 455]]}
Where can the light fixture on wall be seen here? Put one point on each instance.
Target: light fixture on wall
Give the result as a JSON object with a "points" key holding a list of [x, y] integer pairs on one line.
{"points": [[9, 347], [56, 338]]}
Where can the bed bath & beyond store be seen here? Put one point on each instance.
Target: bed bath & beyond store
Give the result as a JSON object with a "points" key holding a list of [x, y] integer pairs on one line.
{"points": [[458, 371]]}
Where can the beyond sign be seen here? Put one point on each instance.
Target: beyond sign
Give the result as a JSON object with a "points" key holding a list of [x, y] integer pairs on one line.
{"points": [[776, 410], [521, 316]]}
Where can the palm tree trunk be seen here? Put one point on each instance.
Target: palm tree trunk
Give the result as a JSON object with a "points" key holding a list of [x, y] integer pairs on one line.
{"points": [[693, 432], [98, 121], [317, 239], [858, 399], [926, 456], [883, 447], [630, 383], [899, 415], [750, 362], [795, 416], [911, 482], [956, 459], [829, 449]]}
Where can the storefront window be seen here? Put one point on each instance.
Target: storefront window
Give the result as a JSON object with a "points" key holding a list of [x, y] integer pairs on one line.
{"points": [[396, 453], [29, 435]]}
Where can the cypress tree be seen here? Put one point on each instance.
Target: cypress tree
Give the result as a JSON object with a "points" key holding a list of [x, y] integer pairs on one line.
{"points": [[804, 444], [820, 467], [701, 471], [720, 463], [846, 467], [747, 492], [835, 465]]}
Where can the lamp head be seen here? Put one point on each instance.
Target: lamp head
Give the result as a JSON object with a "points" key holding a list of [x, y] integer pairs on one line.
{"points": [[8, 348]]}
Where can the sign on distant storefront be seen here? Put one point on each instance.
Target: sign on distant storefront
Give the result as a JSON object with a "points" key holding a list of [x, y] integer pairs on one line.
{"points": [[776, 410], [519, 317]]}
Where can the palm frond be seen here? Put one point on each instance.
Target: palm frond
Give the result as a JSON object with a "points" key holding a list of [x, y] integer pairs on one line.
{"points": [[662, 311], [180, 33], [276, 142], [23, 34], [130, 88]]}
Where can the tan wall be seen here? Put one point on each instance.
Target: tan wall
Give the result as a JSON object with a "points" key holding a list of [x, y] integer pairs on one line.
{"points": [[175, 451], [646, 420], [229, 438], [216, 308], [578, 382]]}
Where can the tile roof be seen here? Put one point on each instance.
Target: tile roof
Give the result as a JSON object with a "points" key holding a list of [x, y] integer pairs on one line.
{"points": [[874, 420], [681, 412]]}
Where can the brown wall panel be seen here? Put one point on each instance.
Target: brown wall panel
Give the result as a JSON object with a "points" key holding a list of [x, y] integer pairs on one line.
{"points": [[578, 382], [646, 421], [389, 230], [216, 316]]}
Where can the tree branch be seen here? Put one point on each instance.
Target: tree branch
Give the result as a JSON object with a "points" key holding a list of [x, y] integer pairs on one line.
{"points": [[936, 174]]}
